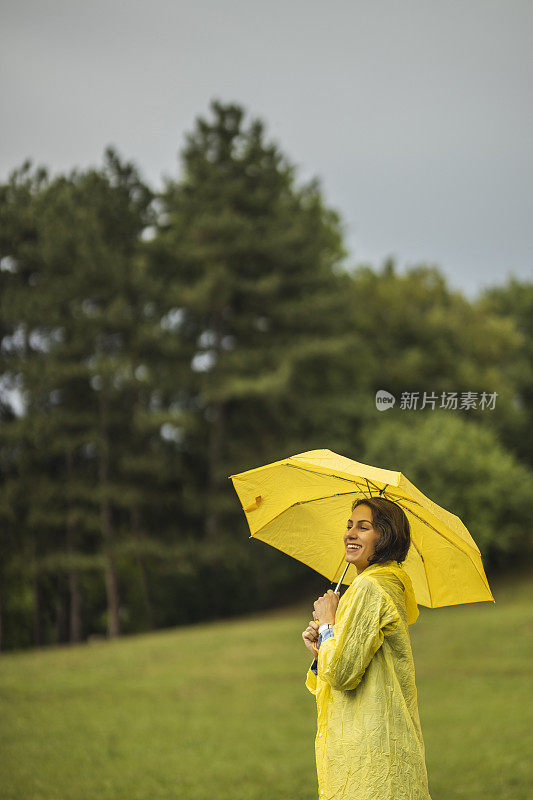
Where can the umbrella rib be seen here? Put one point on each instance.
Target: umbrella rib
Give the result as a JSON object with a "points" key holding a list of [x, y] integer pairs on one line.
{"points": [[374, 486], [322, 474], [392, 496], [362, 489], [439, 533], [429, 525], [349, 480], [337, 477], [325, 497], [483, 578], [425, 522], [299, 503], [314, 499]]}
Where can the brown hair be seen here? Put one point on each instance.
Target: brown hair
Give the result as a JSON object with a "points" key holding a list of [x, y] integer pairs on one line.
{"points": [[393, 526]]}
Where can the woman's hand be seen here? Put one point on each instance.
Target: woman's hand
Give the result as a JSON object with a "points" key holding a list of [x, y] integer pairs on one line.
{"points": [[326, 607], [310, 635]]}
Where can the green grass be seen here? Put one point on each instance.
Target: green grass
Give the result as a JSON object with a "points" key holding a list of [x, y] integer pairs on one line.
{"points": [[220, 711]]}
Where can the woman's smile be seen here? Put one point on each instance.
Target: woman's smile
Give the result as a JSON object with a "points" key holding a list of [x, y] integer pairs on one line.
{"points": [[353, 548], [355, 552]]}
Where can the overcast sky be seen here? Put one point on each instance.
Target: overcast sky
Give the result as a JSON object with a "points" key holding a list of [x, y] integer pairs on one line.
{"points": [[416, 116]]}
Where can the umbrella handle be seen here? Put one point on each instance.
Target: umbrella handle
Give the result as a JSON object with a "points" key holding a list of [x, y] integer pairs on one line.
{"points": [[342, 576]]}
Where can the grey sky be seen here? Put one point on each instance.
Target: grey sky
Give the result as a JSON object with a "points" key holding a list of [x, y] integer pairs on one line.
{"points": [[416, 116]]}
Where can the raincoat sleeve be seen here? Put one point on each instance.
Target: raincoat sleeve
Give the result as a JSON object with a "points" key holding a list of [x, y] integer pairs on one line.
{"points": [[312, 671], [367, 616], [310, 680]]}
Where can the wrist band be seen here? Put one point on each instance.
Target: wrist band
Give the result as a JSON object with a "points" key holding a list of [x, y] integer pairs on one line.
{"points": [[323, 627]]}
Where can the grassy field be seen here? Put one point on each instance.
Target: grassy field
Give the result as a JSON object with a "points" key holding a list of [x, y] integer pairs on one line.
{"points": [[220, 711]]}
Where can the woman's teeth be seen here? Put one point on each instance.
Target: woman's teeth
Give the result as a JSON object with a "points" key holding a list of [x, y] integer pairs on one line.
{"points": [[353, 546]]}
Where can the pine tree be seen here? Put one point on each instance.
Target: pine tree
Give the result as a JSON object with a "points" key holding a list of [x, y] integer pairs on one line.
{"points": [[80, 303], [253, 267]]}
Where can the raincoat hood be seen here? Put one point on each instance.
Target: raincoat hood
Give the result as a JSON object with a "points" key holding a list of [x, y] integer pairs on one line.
{"points": [[392, 567]]}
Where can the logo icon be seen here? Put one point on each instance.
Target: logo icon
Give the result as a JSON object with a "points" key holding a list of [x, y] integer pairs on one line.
{"points": [[384, 400]]}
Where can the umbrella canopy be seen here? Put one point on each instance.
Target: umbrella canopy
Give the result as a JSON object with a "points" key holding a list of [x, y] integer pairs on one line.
{"points": [[300, 505]]}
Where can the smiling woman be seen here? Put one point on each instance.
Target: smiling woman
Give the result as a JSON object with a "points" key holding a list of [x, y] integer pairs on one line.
{"points": [[369, 741]]}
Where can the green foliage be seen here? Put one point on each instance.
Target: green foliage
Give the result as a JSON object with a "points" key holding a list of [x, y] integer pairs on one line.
{"points": [[250, 260], [424, 337], [461, 465], [512, 304]]}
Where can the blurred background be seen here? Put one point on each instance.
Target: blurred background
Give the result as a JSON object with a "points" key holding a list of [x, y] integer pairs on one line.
{"points": [[224, 228]]}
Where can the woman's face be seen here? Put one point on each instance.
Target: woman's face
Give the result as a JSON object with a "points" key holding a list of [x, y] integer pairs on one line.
{"points": [[360, 537]]}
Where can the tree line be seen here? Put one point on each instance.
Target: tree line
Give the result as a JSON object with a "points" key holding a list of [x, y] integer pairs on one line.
{"points": [[153, 343]]}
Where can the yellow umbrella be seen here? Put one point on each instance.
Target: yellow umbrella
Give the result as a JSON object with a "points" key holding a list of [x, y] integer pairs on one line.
{"points": [[300, 505]]}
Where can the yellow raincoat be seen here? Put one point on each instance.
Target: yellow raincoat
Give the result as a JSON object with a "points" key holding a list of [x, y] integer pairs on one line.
{"points": [[369, 742]]}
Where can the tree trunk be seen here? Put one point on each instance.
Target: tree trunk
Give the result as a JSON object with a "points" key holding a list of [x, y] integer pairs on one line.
{"points": [[137, 530], [60, 632], [111, 582], [38, 627], [216, 439], [214, 456], [75, 603], [1, 616], [73, 573]]}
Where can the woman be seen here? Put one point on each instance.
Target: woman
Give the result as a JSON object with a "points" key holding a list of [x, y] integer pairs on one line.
{"points": [[369, 743]]}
